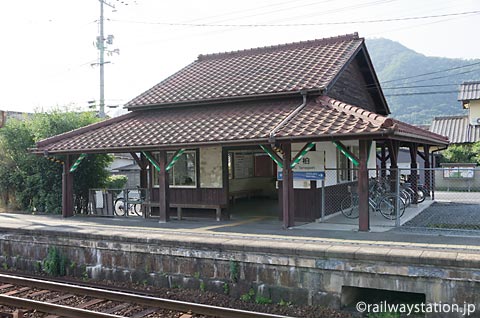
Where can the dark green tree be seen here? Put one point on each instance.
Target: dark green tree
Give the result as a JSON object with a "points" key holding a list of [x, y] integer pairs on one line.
{"points": [[463, 153], [30, 182]]}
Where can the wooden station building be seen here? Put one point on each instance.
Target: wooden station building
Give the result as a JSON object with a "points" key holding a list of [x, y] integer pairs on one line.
{"points": [[225, 124]]}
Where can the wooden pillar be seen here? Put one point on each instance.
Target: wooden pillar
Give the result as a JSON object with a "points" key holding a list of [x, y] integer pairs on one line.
{"points": [[67, 188], [427, 165], [364, 218], [287, 188], [143, 172], [393, 148], [413, 171], [163, 186], [383, 162]]}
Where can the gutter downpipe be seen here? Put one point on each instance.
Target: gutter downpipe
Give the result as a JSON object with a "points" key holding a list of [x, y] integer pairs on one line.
{"points": [[287, 184], [271, 137], [433, 163]]}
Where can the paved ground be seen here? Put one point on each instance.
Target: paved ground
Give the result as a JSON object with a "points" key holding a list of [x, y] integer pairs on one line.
{"points": [[449, 215], [257, 228]]}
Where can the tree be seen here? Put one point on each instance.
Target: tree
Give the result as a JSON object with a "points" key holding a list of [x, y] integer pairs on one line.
{"points": [[464, 153], [31, 182]]}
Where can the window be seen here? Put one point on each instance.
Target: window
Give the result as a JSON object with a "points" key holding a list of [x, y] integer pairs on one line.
{"points": [[346, 171], [184, 171]]}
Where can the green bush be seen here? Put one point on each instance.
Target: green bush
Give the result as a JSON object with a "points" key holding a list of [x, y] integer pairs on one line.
{"points": [[34, 183], [56, 263], [116, 182]]}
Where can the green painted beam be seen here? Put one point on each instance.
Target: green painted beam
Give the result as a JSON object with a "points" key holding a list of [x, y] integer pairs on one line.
{"points": [[301, 154], [272, 155], [152, 160], [175, 157], [77, 163], [346, 153]]}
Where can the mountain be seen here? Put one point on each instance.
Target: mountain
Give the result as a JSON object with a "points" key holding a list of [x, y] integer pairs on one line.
{"points": [[394, 61]]}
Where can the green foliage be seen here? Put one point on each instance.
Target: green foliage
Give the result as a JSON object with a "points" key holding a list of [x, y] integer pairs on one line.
{"points": [[56, 263], [248, 296], [226, 288], [284, 303], [30, 182], [116, 182], [464, 153], [84, 273], [263, 300], [234, 271], [393, 61], [203, 286]]}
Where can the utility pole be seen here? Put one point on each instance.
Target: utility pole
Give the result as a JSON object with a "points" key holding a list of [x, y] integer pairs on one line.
{"points": [[101, 46]]}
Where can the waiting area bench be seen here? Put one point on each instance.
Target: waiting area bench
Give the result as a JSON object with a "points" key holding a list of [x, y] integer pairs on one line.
{"points": [[246, 193], [181, 206]]}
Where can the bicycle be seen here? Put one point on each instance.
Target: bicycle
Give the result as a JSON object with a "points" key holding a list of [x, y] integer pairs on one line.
{"points": [[129, 205], [385, 203]]}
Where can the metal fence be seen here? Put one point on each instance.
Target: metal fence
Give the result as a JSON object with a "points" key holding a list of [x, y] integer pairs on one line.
{"points": [[117, 202], [440, 198]]}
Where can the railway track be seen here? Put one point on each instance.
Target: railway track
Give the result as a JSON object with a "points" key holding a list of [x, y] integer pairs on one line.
{"points": [[70, 300]]}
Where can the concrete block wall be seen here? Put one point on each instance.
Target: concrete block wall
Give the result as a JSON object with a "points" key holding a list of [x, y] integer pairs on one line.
{"points": [[303, 273]]}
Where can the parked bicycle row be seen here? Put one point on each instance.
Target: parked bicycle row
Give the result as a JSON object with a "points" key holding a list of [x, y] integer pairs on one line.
{"points": [[383, 200]]}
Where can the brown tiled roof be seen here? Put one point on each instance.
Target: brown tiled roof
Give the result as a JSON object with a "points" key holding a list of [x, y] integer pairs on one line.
{"points": [[282, 69], [469, 91], [322, 118], [456, 128]]}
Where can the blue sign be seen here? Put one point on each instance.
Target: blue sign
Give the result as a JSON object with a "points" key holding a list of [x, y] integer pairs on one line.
{"points": [[304, 175]]}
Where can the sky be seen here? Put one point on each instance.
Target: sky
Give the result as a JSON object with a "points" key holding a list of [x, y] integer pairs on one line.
{"points": [[48, 55]]}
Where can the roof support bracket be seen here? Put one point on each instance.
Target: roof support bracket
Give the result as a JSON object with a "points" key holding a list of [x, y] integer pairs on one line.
{"points": [[301, 154], [175, 157], [347, 153], [139, 162], [272, 154], [77, 163], [152, 159]]}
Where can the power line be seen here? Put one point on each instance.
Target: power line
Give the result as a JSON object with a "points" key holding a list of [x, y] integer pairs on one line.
{"points": [[428, 93], [298, 24], [420, 86], [421, 93], [444, 76], [430, 73]]}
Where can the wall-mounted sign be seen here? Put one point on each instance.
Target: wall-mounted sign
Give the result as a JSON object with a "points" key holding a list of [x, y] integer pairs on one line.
{"points": [[312, 161], [458, 172], [304, 175], [243, 165]]}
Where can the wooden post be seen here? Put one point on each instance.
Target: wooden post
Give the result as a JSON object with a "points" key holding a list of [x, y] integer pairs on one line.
{"points": [[428, 172], [163, 186], [413, 171], [383, 162], [364, 218], [67, 188], [287, 188], [143, 172], [393, 148]]}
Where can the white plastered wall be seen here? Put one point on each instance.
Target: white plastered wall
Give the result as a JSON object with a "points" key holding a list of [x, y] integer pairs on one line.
{"points": [[211, 167]]}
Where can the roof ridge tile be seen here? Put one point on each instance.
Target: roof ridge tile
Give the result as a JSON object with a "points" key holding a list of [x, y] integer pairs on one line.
{"points": [[371, 117], [271, 48]]}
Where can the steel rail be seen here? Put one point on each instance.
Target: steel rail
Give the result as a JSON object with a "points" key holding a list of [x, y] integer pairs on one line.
{"points": [[175, 305], [65, 311]]}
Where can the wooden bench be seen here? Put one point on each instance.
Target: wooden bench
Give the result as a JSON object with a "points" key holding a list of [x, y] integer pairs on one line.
{"points": [[243, 193], [216, 207]]}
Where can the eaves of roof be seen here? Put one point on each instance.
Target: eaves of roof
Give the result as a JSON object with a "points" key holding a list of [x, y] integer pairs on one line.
{"points": [[247, 123]]}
